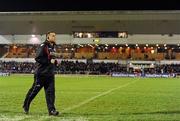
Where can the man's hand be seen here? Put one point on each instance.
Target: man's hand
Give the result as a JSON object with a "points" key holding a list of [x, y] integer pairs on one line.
{"points": [[54, 54], [54, 61]]}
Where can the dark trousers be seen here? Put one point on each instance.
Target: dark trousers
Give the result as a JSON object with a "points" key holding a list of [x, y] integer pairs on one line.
{"points": [[49, 87]]}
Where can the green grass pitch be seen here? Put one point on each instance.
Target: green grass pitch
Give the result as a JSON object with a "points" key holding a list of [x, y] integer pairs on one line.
{"points": [[94, 98]]}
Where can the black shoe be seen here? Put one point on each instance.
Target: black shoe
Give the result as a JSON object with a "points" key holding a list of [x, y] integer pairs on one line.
{"points": [[26, 109], [53, 113]]}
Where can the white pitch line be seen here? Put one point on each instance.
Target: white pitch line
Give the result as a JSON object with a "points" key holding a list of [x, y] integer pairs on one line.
{"points": [[97, 96], [13, 118]]}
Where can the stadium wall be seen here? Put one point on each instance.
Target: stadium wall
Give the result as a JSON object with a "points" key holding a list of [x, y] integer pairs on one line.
{"points": [[96, 61]]}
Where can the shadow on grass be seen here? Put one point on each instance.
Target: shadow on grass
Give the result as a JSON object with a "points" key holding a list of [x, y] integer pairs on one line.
{"points": [[10, 112], [31, 113], [130, 113], [157, 112], [20, 112]]}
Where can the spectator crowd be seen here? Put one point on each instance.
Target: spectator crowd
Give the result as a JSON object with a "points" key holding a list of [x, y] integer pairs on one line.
{"points": [[69, 67]]}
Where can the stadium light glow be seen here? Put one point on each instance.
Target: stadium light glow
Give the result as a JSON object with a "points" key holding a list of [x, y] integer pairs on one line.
{"points": [[80, 35], [152, 51], [14, 46], [80, 45], [34, 39], [90, 45], [89, 35]]}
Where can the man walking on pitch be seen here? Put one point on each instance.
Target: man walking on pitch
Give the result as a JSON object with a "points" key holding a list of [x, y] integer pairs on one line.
{"points": [[44, 75]]}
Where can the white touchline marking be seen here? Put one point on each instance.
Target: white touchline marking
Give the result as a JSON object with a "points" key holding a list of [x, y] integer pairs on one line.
{"points": [[13, 118], [64, 118], [97, 96]]}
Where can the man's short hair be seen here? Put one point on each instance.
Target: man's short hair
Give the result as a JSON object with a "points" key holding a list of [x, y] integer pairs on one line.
{"points": [[49, 33]]}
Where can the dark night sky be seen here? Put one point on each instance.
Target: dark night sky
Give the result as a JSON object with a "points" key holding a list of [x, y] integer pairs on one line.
{"points": [[80, 5]]}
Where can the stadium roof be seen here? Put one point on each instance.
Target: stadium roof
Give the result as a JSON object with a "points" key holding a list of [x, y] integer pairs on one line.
{"points": [[134, 22]]}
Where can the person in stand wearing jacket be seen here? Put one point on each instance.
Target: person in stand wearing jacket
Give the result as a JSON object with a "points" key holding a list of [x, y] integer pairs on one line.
{"points": [[44, 75]]}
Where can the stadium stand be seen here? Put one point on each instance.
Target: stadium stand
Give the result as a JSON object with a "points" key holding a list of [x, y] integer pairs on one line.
{"points": [[120, 54], [96, 52], [3, 50]]}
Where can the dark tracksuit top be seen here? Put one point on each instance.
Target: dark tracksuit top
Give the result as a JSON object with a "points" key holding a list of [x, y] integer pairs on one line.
{"points": [[43, 60]]}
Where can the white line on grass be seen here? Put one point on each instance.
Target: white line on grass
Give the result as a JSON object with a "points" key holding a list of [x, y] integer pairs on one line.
{"points": [[12, 118], [97, 96]]}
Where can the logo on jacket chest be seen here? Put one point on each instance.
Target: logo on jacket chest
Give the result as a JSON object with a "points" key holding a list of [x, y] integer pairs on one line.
{"points": [[51, 49]]}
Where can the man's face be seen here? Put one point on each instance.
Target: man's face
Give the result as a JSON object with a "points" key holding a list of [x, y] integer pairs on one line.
{"points": [[52, 37]]}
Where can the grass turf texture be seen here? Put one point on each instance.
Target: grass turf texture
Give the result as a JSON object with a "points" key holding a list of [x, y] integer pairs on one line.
{"points": [[93, 98]]}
